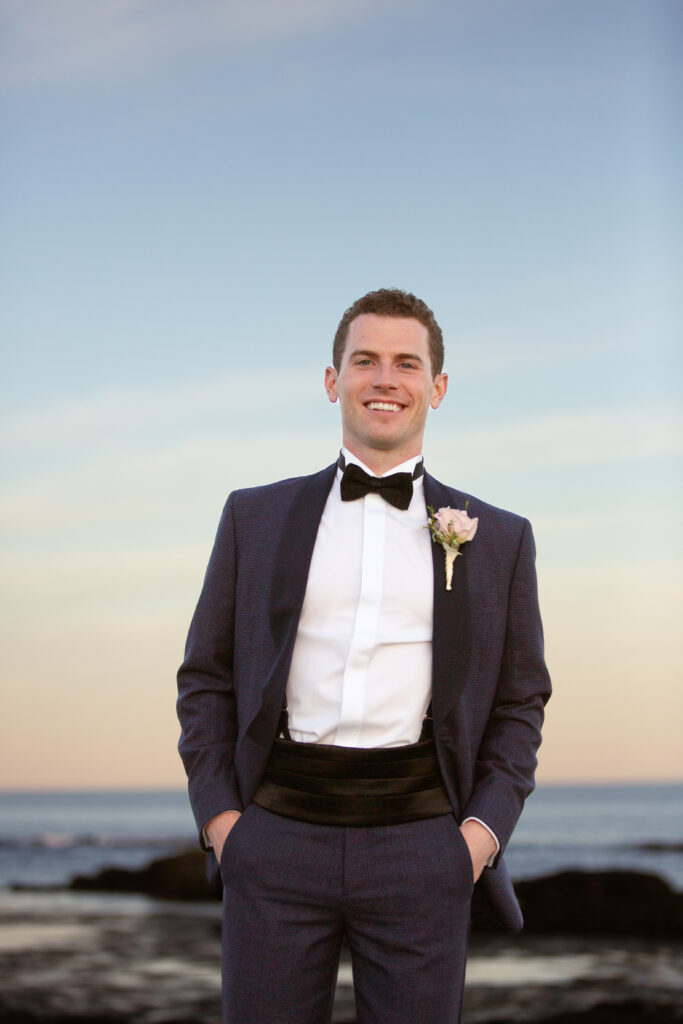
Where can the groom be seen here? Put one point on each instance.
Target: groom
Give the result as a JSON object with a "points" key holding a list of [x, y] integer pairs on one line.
{"points": [[360, 738]]}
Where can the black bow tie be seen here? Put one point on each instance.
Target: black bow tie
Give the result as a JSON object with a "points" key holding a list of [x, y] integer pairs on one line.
{"points": [[397, 489]]}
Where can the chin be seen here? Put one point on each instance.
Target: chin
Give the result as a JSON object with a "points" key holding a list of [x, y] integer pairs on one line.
{"points": [[384, 444]]}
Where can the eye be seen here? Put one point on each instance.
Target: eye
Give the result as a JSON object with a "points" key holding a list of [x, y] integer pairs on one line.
{"points": [[362, 362], [407, 366]]}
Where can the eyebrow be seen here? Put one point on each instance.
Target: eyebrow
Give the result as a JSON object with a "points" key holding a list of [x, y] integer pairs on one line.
{"points": [[398, 357]]}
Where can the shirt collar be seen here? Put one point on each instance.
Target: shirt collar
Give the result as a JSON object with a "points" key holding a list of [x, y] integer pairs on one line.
{"points": [[404, 467]]}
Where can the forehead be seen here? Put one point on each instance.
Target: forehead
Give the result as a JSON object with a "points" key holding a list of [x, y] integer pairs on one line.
{"points": [[387, 335]]}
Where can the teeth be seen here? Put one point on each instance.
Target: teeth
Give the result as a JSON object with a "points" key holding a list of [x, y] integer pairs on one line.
{"points": [[384, 406]]}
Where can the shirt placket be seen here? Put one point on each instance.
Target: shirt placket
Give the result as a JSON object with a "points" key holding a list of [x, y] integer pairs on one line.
{"points": [[364, 636]]}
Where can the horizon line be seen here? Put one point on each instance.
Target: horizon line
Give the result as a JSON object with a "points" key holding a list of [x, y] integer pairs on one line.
{"points": [[111, 789]]}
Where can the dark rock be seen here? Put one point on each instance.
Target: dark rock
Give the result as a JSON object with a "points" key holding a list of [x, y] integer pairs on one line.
{"points": [[27, 1017], [569, 903], [632, 1011], [181, 877], [601, 903], [628, 1012], [657, 847], [11, 1016]]}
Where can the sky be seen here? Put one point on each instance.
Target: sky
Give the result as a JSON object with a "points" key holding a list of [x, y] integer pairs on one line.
{"points": [[192, 194]]}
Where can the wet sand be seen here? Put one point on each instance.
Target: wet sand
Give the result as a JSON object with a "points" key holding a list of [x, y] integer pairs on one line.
{"points": [[85, 958]]}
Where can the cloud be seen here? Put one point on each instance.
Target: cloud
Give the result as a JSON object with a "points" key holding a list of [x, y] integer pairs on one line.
{"points": [[589, 437], [48, 42], [181, 483], [118, 415], [254, 401], [137, 459]]}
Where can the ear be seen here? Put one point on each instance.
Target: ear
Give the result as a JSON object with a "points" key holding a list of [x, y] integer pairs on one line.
{"points": [[331, 383], [440, 388]]}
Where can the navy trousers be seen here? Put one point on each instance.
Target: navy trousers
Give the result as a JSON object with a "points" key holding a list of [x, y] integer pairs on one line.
{"points": [[400, 893]]}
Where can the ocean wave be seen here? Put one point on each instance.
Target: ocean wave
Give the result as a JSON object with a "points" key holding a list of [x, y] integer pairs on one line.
{"points": [[93, 840]]}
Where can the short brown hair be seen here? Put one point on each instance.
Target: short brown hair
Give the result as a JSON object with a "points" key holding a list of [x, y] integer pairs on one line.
{"points": [[391, 302]]}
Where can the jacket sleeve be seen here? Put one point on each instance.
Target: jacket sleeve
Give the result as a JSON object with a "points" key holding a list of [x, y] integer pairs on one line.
{"points": [[506, 760], [206, 698]]}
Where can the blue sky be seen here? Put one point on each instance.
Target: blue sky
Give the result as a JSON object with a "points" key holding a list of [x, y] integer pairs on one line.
{"points": [[192, 195]]}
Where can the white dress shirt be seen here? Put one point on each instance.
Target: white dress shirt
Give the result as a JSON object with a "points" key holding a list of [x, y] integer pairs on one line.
{"points": [[361, 669]]}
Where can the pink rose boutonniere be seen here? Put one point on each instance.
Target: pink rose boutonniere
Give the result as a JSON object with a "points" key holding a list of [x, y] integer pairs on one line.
{"points": [[451, 527]]}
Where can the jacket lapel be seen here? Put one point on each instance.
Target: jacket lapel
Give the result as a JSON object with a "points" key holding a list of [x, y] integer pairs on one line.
{"points": [[288, 588], [452, 636]]}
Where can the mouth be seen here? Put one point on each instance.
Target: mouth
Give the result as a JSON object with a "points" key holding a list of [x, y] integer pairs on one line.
{"points": [[383, 406]]}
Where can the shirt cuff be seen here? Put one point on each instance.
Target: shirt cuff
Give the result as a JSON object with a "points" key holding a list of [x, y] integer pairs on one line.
{"points": [[492, 859]]}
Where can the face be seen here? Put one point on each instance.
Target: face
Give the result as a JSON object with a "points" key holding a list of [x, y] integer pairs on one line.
{"points": [[385, 389]]}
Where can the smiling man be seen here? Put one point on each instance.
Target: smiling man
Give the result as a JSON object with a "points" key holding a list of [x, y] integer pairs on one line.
{"points": [[359, 736], [385, 384]]}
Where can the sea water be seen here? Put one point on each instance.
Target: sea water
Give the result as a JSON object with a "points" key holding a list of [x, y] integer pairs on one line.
{"points": [[46, 838]]}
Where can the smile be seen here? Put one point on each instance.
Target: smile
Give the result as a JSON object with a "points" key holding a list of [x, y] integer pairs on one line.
{"points": [[384, 407]]}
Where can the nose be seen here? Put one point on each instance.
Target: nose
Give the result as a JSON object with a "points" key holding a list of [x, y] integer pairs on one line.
{"points": [[384, 376]]}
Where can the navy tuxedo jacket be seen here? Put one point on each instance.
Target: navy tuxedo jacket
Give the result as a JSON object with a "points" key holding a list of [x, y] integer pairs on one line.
{"points": [[489, 680]]}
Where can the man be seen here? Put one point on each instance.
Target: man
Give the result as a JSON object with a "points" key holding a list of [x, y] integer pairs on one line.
{"points": [[342, 710]]}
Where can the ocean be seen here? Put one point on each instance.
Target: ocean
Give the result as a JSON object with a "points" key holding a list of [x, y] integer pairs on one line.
{"points": [[48, 837]]}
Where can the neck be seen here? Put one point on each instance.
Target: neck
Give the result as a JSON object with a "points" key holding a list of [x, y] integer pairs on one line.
{"points": [[381, 462]]}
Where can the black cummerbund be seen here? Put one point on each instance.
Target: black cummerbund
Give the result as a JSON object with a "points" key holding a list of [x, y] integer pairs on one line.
{"points": [[353, 786]]}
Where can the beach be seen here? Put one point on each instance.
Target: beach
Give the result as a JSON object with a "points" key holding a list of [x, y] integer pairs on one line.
{"points": [[91, 958], [70, 956]]}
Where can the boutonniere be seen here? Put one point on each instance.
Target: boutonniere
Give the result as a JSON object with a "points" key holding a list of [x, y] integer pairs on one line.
{"points": [[451, 527]]}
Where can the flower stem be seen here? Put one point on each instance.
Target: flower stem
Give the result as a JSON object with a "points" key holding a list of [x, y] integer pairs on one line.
{"points": [[451, 555]]}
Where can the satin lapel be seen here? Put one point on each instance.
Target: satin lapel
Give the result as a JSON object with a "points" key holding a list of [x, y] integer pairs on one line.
{"points": [[452, 638], [288, 588]]}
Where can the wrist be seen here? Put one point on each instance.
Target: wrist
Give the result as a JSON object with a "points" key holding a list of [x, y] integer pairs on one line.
{"points": [[481, 844], [217, 828]]}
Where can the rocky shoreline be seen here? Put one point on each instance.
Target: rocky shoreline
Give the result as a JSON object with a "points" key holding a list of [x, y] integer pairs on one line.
{"points": [[633, 1011], [569, 902], [142, 947]]}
